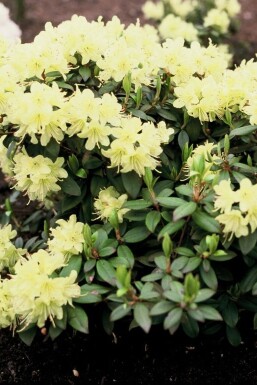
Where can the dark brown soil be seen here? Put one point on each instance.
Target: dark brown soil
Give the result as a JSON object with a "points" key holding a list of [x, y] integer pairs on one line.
{"points": [[129, 357]]}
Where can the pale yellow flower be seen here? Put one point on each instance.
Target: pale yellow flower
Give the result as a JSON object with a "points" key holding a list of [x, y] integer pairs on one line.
{"points": [[234, 224], [67, 237], [108, 200], [225, 196]]}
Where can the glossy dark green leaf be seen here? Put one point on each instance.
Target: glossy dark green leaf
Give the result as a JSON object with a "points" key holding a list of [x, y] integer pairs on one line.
{"points": [[210, 313], [206, 222], [77, 319], [132, 183], [152, 219], [184, 211], [137, 234], [249, 280], [126, 254], [170, 202], [230, 314], [142, 317], [70, 187], [106, 271], [74, 263], [171, 228], [233, 336], [137, 204], [120, 312], [85, 72], [173, 318], [247, 243]]}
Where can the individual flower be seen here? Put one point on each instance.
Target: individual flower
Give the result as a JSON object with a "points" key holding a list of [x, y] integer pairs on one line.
{"points": [[232, 7], [225, 196], [246, 195], [234, 224], [67, 237], [5, 163], [108, 200], [9, 254], [153, 10], [37, 176], [7, 312], [182, 8], [218, 19], [173, 27]]}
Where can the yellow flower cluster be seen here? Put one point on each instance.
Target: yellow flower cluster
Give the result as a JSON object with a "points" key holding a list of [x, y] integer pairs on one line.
{"points": [[37, 176], [173, 27], [137, 145], [238, 208], [110, 200], [67, 238], [45, 119], [90, 117], [35, 294], [9, 254]]}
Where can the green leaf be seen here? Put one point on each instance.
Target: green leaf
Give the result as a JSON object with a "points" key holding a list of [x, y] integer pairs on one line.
{"points": [[171, 228], [27, 336], [249, 280], [106, 271], [173, 318], [210, 313], [54, 332], [241, 131], [142, 317], [233, 336], [247, 243], [89, 265], [106, 251], [74, 263], [161, 307], [93, 287], [77, 319], [70, 187], [132, 183], [152, 219], [170, 202], [120, 312], [137, 234], [190, 326], [87, 297], [192, 264], [138, 204], [254, 290], [85, 73], [166, 114], [206, 222], [125, 253], [184, 211], [230, 314], [209, 278], [204, 294], [183, 138], [64, 85]]}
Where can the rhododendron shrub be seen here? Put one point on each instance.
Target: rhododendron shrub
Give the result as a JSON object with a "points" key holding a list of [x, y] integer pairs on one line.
{"points": [[139, 160]]}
